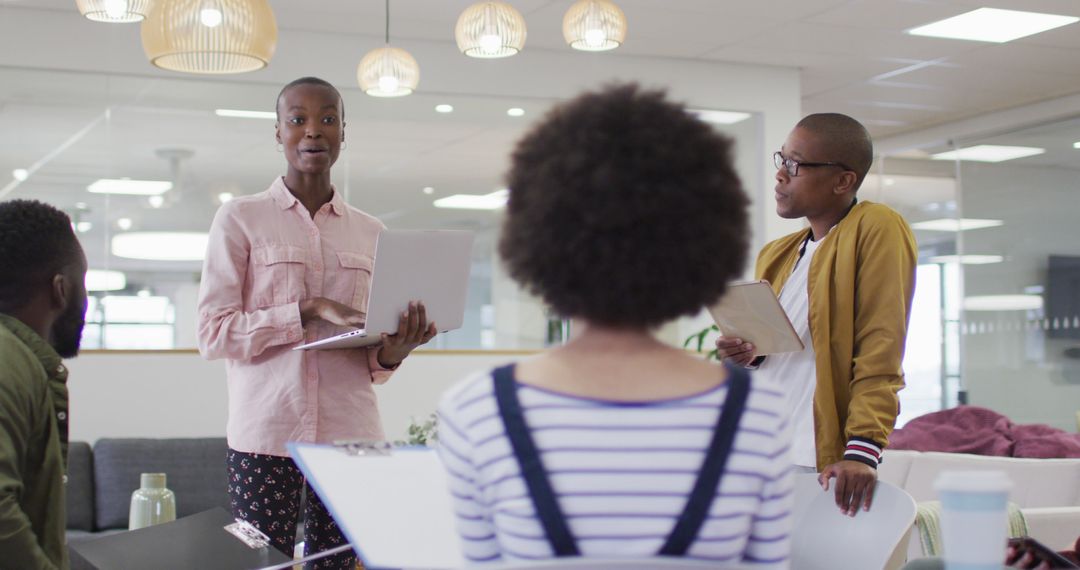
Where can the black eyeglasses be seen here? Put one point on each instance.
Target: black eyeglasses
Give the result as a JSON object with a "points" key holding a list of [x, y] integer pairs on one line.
{"points": [[792, 166]]}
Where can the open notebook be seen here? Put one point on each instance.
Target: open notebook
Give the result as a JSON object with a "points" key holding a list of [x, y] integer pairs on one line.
{"points": [[394, 506], [751, 311]]}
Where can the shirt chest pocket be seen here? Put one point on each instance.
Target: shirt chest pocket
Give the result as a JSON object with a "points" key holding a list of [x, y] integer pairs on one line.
{"points": [[278, 276], [356, 271]]}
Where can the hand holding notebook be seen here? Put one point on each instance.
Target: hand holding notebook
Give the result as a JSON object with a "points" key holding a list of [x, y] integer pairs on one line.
{"points": [[750, 311]]}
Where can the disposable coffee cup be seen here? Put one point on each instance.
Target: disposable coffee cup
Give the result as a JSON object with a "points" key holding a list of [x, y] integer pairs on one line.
{"points": [[974, 518]]}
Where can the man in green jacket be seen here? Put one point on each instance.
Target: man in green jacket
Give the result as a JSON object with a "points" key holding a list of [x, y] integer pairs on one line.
{"points": [[42, 312], [846, 283]]}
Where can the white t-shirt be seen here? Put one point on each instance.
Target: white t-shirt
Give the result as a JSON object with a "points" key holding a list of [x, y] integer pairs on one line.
{"points": [[796, 372]]}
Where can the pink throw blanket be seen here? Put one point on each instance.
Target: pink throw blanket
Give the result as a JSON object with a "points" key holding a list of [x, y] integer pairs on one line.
{"points": [[980, 431]]}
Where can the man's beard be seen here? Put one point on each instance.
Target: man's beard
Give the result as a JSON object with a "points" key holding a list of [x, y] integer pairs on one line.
{"points": [[67, 330]]}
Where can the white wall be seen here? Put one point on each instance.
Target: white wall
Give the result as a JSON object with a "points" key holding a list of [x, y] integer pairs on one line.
{"points": [[178, 394]]}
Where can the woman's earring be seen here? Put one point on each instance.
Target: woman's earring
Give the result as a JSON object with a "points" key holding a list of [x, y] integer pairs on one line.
{"points": [[280, 147], [344, 145]]}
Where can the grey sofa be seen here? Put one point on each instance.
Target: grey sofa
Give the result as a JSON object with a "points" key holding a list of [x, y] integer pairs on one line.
{"points": [[101, 480]]}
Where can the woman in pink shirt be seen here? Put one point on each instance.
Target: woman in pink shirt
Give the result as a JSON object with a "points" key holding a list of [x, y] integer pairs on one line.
{"points": [[289, 265]]}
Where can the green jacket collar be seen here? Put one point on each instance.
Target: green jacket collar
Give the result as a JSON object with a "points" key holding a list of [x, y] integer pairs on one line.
{"points": [[50, 360]]}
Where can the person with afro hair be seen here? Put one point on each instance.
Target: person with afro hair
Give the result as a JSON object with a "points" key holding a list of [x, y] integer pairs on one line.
{"points": [[625, 212], [42, 313]]}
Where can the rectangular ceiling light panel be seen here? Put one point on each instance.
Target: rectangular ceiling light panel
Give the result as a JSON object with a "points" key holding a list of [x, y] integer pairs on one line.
{"points": [[993, 25], [127, 186], [989, 153]]}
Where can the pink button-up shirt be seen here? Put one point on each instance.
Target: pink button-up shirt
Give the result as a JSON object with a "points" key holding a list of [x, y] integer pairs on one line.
{"points": [[266, 254]]}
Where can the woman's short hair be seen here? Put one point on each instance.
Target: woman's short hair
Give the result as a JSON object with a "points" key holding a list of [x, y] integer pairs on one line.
{"points": [[624, 210], [308, 81]]}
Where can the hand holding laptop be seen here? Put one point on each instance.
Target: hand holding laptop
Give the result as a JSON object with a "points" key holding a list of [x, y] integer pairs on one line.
{"points": [[413, 327], [413, 330]]}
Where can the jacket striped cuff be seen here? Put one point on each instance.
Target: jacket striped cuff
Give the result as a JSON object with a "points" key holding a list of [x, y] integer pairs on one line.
{"points": [[864, 451]]}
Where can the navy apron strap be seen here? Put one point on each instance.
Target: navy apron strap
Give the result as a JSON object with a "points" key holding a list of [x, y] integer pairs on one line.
{"points": [[532, 470], [706, 487]]}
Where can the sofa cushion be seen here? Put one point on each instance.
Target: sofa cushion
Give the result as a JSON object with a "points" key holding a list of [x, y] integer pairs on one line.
{"points": [[194, 469], [895, 465], [1036, 482], [79, 491]]}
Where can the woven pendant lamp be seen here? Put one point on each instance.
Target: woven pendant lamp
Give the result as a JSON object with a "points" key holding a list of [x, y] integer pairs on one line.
{"points": [[114, 11], [210, 36], [388, 71], [594, 25], [490, 30]]}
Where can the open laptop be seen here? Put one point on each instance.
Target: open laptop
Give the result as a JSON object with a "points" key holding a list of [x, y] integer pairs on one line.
{"points": [[431, 266]]}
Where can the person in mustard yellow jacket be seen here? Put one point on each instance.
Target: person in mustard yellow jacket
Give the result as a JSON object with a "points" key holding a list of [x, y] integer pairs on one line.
{"points": [[846, 283]]}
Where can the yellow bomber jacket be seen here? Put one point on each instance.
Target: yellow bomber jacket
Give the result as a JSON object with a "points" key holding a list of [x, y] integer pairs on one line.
{"points": [[860, 285]]}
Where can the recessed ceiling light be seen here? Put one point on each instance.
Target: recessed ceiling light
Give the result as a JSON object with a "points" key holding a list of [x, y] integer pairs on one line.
{"points": [[102, 280], [83, 227], [492, 201], [126, 186], [444, 108], [719, 117], [515, 111], [225, 197], [967, 259], [161, 246], [890, 181], [955, 225], [993, 25], [20, 174], [1003, 303], [989, 153], [124, 224], [241, 114], [429, 190], [156, 201], [1076, 144]]}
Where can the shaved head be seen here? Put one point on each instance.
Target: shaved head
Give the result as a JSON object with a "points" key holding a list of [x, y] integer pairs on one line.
{"points": [[842, 139]]}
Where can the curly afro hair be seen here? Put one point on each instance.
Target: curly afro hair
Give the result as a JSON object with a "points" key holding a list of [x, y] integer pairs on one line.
{"points": [[36, 242], [624, 210]]}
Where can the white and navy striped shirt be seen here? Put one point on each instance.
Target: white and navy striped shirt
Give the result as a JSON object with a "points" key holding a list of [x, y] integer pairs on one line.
{"points": [[621, 471]]}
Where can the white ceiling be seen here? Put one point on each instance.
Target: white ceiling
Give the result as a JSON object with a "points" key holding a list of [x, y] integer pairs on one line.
{"points": [[853, 57]]}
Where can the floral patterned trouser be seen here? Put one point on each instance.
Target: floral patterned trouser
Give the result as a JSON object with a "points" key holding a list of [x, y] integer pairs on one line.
{"points": [[265, 491]]}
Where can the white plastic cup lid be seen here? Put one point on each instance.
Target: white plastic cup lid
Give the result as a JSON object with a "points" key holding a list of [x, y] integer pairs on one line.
{"points": [[973, 482]]}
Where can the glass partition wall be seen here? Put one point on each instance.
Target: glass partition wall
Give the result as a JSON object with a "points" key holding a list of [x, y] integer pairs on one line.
{"points": [[142, 164], [996, 319]]}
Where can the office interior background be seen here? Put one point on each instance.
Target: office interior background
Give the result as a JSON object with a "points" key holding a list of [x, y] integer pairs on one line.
{"points": [[996, 320]]}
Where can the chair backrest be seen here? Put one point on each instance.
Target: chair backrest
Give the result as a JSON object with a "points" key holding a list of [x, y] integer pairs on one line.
{"points": [[824, 539]]}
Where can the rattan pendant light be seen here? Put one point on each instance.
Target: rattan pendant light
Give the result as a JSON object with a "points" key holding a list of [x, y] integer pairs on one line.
{"points": [[210, 36], [114, 11], [489, 30], [388, 71], [594, 25]]}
